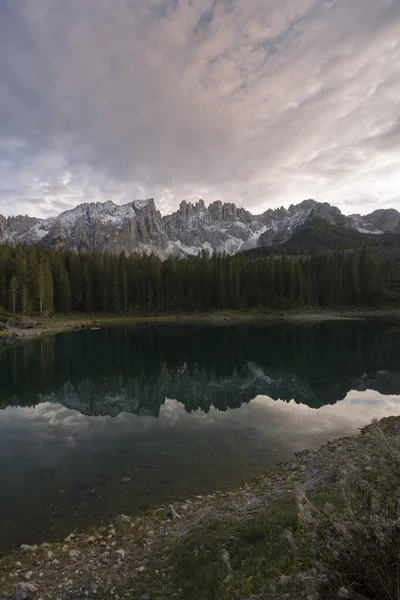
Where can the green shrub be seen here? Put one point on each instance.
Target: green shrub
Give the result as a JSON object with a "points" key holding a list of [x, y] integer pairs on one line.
{"points": [[358, 544]]}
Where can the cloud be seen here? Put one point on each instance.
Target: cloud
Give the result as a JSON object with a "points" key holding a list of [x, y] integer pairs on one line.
{"points": [[256, 102]]}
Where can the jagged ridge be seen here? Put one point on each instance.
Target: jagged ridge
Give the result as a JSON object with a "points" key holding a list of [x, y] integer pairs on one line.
{"points": [[139, 227]]}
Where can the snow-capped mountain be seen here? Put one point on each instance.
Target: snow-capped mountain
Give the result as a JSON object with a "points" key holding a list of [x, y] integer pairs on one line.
{"points": [[139, 227]]}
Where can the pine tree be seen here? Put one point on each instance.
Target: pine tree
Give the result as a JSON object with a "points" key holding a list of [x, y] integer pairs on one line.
{"points": [[13, 291]]}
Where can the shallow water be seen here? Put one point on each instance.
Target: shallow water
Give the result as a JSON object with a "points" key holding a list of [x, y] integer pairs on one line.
{"points": [[179, 410]]}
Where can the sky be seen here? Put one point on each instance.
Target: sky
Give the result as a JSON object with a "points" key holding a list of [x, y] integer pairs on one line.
{"points": [[259, 102]]}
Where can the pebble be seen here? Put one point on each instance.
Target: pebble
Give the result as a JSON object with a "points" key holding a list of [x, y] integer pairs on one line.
{"points": [[28, 575], [74, 554], [125, 479]]}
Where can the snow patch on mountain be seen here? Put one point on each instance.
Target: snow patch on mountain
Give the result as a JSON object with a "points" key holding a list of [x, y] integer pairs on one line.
{"points": [[137, 227]]}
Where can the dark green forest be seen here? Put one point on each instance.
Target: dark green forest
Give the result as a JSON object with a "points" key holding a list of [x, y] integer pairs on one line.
{"points": [[40, 280], [318, 236]]}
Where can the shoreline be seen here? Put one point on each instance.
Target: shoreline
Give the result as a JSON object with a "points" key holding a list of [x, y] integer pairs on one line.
{"points": [[149, 555], [75, 321]]}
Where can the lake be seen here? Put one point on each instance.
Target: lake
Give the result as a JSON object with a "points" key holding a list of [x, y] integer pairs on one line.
{"points": [[115, 420]]}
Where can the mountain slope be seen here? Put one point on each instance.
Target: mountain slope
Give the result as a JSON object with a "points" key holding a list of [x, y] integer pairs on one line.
{"points": [[139, 227]]}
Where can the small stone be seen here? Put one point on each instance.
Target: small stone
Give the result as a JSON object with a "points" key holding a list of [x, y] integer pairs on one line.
{"points": [[25, 590], [164, 532], [50, 554], [90, 540], [104, 556], [55, 562], [18, 564], [69, 537], [141, 569], [125, 479], [74, 554], [28, 575], [120, 553]]}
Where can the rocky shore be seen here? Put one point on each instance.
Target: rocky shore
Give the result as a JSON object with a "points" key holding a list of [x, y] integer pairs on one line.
{"points": [[27, 328], [135, 556]]}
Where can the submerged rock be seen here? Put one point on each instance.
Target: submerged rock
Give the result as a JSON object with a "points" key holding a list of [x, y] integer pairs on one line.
{"points": [[25, 333], [122, 518]]}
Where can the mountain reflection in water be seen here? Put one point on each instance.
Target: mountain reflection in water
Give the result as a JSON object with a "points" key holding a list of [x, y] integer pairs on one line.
{"points": [[134, 369], [78, 412]]}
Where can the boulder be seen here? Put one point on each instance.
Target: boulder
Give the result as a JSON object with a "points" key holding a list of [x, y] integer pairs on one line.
{"points": [[28, 548], [171, 512], [24, 323], [25, 590]]}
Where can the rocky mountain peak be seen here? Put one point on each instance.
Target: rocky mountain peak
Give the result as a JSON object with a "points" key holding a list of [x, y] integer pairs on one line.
{"points": [[139, 227]]}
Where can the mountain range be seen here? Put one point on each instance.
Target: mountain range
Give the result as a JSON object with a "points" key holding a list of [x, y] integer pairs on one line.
{"points": [[138, 227], [201, 367]]}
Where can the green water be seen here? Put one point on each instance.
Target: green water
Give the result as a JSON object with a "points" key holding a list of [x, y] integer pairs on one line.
{"points": [[179, 410]]}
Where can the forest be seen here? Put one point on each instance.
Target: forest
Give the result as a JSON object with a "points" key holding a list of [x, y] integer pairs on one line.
{"points": [[40, 280]]}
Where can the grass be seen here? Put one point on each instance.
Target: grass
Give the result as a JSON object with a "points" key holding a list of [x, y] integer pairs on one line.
{"points": [[260, 549], [235, 559]]}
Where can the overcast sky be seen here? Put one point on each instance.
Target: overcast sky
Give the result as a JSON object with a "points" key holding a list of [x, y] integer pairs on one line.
{"points": [[259, 102]]}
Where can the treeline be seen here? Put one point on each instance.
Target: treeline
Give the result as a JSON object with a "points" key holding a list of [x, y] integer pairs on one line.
{"points": [[319, 236], [35, 279]]}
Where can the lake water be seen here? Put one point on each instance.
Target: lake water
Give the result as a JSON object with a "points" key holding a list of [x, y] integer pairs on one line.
{"points": [[179, 410]]}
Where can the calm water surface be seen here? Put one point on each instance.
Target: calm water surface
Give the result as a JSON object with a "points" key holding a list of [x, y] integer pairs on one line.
{"points": [[180, 410]]}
